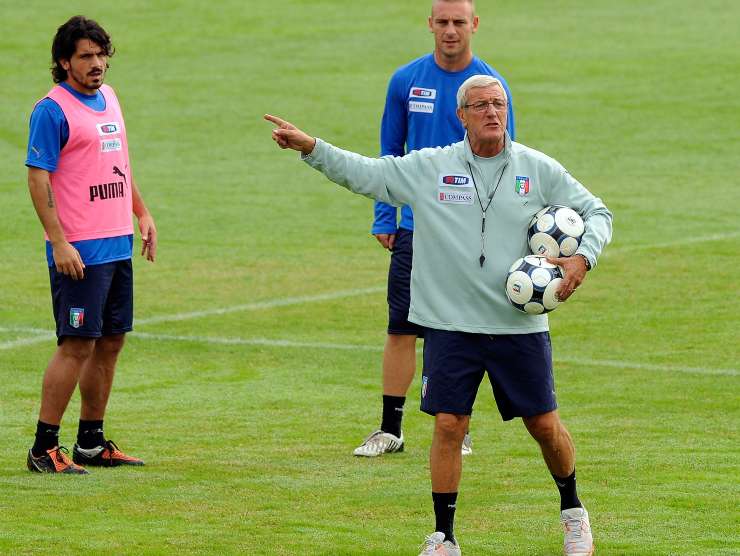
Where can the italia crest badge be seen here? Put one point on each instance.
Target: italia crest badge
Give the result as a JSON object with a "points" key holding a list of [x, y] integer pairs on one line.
{"points": [[521, 185], [424, 382], [76, 317]]}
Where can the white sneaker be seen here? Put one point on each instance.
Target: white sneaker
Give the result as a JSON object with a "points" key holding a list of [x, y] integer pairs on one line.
{"points": [[436, 545], [379, 443], [467, 447], [578, 539]]}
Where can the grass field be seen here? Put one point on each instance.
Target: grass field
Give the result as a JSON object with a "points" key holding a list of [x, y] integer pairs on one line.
{"points": [[254, 369]]}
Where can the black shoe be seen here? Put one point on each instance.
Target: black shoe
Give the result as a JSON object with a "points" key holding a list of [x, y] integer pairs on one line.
{"points": [[54, 461], [103, 456]]}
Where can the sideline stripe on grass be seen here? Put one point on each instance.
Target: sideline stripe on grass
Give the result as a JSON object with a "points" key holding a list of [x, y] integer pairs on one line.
{"points": [[668, 244], [23, 329], [646, 366], [40, 335], [256, 342], [43, 335], [269, 304], [379, 348]]}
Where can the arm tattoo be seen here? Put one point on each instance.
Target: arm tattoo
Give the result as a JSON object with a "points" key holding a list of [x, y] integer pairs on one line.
{"points": [[50, 201]]}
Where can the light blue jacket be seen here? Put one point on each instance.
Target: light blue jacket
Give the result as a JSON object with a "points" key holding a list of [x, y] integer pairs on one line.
{"points": [[421, 111], [450, 290]]}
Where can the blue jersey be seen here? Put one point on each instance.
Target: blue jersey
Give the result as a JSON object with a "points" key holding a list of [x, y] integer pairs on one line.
{"points": [[49, 132], [420, 111]]}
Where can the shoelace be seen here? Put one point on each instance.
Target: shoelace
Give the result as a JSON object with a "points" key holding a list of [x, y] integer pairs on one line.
{"points": [[113, 449], [60, 455], [375, 439], [429, 542], [374, 447], [381, 443], [373, 436], [574, 526]]}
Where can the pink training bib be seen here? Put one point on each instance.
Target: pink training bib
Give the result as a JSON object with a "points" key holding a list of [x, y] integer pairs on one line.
{"points": [[92, 182]]}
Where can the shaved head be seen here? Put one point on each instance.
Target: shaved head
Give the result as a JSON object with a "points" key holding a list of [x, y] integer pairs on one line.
{"points": [[453, 24], [435, 2]]}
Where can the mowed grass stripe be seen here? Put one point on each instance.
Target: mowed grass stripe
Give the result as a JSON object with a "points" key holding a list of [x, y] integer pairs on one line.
{"points": [[249, 447], [669, 244], [256, 342], [38, 335], [379, 348], [29, 341], [41, 335], [44, 336], [259, 305]]}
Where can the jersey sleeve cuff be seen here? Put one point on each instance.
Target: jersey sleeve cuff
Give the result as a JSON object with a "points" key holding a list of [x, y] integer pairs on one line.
{"points": [[40, 165], [317, 149], [384, 230]]}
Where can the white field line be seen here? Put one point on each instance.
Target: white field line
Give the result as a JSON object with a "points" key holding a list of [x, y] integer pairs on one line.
{"points": [[257, 342], [268, 304], [23, 329], [379, 348], [39, 335], [646, 366], [44, 335], [683, 241], [28, 341]]}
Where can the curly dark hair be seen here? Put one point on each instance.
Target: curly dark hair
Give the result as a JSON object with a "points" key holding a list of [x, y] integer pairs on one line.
{"points": [[65, 42]]}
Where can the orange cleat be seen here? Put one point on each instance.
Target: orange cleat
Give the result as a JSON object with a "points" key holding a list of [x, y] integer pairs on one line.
{"points": [[103, 456], [55, 460]]}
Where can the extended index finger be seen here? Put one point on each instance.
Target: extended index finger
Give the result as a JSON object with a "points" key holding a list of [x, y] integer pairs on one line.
{"points": [[274, 119]]}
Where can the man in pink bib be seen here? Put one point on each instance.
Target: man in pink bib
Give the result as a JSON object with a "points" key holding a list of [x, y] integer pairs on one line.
{"points": [[80, 181]]}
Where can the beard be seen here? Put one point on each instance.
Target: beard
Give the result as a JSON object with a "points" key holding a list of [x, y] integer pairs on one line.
{"points": [[88, 81]]}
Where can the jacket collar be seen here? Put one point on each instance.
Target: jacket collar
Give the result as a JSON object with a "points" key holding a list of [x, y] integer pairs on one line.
{"points": [[503, 155]]}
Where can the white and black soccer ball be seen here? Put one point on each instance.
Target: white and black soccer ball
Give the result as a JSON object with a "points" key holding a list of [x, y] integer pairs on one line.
{"points": [[555, 231], [532, 283]]}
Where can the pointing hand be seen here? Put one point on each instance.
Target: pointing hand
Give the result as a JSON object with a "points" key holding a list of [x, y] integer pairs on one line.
{"points": [[288, 136]]}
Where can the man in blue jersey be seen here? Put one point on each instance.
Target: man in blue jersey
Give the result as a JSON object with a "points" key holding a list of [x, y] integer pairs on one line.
{"points": [[419, 112], [84, 194]]}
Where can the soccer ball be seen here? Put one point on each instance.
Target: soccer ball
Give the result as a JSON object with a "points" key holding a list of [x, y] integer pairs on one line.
{"points": [[555, 231], [531, 285]]}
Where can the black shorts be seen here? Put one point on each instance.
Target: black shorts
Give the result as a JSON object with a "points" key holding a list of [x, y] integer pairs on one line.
{"points": [[101, 304], [519, 368], [399, 286]]}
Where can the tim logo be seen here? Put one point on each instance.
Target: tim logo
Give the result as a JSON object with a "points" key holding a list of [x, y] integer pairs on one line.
{"points": [[108, 128], [517, 288], [421, 92], [455, 180]]}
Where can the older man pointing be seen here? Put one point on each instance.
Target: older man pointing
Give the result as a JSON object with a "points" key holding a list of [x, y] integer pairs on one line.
{"points": [[471, 221]]}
